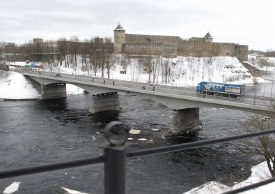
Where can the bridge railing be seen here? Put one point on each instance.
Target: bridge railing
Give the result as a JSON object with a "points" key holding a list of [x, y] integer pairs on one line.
{"points": [[115, 159]]}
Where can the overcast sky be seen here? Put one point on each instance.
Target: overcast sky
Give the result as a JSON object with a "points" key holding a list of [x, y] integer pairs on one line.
{"points": [[250, 22]]}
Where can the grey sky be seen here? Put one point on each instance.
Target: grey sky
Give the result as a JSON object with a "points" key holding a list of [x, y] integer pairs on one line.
{"points": [[250, 22]]}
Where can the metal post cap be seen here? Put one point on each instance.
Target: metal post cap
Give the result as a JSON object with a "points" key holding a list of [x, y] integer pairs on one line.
{"points": [[116, 133]]}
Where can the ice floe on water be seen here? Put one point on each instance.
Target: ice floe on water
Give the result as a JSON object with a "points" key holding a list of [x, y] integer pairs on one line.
{"points": [[134, 131], [142, 139], [12, 188], [154, 129], [70, 191]]}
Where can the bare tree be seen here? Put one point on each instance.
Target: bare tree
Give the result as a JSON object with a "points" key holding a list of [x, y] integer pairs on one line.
{"points": [[166, 71], [146, 62], [267, 142], [125, 62], [84, 50], [156, 68], [62, 50], [100, 55], [110, 63], [73, 52]]}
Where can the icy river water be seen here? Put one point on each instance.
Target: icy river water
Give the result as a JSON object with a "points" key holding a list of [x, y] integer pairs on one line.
{"points": [[42, 132]]}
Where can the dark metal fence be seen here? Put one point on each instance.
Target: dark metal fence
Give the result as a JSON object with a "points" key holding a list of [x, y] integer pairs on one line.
{"points": [[115, 158]]}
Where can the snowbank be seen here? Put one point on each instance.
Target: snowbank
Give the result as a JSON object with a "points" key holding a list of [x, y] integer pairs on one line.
{"points": [[258, 173], [15, 86], [73, 90]]}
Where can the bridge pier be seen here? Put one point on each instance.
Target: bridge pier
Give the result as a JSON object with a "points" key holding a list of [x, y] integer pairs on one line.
{"points": [[57, 90], [185, 121], [105, 102]]}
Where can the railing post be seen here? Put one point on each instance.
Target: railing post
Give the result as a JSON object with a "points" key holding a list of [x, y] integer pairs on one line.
{"points": [[115, 169], [115, 157]]}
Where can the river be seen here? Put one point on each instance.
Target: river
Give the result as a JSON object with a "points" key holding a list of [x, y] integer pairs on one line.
{"points": [[42, 132]]}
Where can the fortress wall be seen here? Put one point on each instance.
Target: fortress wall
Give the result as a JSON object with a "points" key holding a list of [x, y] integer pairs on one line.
{"points": [[150, 49], [225, 49], [208, 49], [137, 44], [169, 50], [243, 52], [197, 49], [154, 39]]}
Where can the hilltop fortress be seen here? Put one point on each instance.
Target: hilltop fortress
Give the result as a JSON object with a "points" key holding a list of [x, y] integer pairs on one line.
{"points": [[172, 46]]}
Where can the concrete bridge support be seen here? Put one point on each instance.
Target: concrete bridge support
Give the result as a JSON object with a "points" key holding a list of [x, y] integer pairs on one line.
{"points": [[48, 89], [57, 90], [185, 121], [105, 102]]}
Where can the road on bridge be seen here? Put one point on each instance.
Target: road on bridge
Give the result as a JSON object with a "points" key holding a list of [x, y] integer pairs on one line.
{"points": [[129, 85]]}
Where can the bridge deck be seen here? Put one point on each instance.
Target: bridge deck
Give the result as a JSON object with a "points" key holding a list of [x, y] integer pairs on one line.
{"points": [[261, 104]]}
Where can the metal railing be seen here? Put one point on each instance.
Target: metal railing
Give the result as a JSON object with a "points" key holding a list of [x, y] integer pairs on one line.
{"points": [[115, 159]]}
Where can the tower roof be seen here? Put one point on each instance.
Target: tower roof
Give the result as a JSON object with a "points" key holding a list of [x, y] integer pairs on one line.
{"points": [[119, 27], [208, 36]]}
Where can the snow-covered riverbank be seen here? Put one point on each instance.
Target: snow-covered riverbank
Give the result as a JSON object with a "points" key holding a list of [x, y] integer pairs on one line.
{"points": [[258, 174], [14, 86]]}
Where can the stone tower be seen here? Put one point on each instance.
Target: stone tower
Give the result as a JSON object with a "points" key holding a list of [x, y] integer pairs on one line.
{"points": [[119, 39], [208, 37]]}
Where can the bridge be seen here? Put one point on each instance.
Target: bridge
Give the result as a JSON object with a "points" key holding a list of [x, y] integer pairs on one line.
{"points": [[104, 92]]}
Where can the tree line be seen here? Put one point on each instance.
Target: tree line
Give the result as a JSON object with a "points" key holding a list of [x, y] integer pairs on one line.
{"points": [[94, 54]]}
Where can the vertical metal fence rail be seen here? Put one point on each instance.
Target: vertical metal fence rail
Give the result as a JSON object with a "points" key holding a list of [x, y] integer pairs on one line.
{"points": [[115, 169]]}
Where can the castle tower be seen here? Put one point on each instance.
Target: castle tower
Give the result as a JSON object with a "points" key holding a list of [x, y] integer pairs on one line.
{"points": [[208, 37], [119, 39]]}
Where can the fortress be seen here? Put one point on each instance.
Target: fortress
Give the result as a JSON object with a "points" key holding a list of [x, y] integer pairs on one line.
{"points": [[172, 46]]}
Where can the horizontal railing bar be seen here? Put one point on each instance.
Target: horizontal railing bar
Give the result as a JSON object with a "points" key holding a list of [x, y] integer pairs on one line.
{"points": [[185, 146], [100, 159], [51, 167], [252, 186]]}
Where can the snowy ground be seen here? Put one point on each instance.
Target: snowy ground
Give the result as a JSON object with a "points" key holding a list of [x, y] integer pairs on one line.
{"points": [[189, 71], [15, 86], [258, 173], [182, 71]]}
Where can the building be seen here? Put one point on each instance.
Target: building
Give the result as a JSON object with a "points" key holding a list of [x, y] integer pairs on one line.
{"points": [[171, 46], [37, 41]]}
